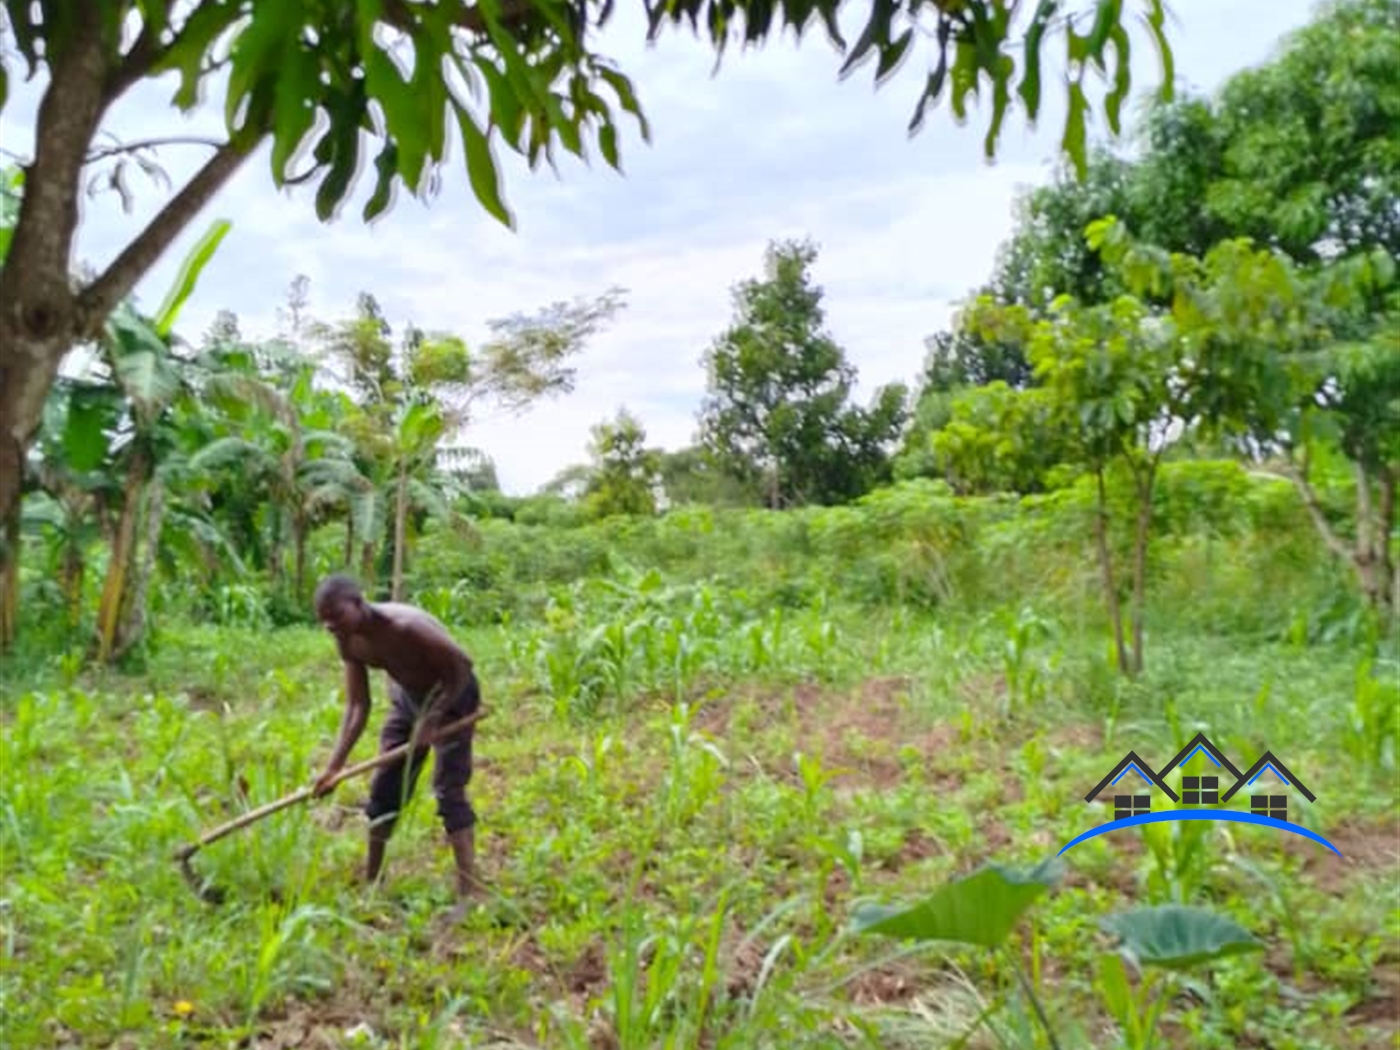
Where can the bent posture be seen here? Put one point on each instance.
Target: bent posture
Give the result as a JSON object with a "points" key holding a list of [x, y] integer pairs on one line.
{"points": [[431, 683]]}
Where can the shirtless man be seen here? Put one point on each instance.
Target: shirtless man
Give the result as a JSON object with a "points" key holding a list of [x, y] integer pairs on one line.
{"points": [[418, 656]]}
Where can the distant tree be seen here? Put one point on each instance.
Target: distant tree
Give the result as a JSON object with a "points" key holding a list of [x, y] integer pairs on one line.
{"points": [[777, 414], [625, 473], [692, 475]]}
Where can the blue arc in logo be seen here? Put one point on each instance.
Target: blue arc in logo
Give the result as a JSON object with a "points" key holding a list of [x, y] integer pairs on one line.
{"points": [[1199, 814]]}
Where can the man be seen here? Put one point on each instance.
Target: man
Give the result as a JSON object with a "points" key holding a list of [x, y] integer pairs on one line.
{"points": [[423, 664]]}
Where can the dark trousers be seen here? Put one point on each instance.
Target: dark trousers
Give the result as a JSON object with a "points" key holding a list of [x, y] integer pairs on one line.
{"points": [[392, 785]]}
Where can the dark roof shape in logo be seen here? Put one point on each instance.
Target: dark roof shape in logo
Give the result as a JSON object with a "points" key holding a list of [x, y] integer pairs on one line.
{"points": [[1200, 742], [1132, 759], [1267, 761]]}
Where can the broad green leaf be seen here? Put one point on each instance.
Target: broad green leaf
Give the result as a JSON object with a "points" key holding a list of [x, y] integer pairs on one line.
{"points": [[481, 168], [980, 908], [90, 414], [1179, 937]]}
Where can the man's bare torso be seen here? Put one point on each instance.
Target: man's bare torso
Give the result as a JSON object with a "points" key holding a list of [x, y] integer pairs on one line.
{"points": [[411, 646]]}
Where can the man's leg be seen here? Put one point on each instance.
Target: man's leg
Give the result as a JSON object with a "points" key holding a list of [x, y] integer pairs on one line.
{"points": [[392, 785], [452, 771]]}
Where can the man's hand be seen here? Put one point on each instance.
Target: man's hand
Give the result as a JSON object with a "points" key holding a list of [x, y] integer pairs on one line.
{"points": [[324, 783]]}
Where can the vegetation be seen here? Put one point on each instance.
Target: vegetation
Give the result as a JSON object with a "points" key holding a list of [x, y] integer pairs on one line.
{"points": [[788, 729], [314, 74]]}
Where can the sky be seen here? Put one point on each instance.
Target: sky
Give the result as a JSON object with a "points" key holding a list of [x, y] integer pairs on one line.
{"points": [[773, 145]]}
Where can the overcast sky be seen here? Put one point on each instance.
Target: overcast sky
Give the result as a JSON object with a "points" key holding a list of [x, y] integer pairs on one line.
{"points": [[773, 146]]}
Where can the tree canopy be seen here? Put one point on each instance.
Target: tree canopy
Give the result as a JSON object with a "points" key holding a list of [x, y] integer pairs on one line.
{"points": [[397, 83]]}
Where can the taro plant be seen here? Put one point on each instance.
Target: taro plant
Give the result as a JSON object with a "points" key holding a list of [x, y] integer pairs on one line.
{"points": [[982, 909]]}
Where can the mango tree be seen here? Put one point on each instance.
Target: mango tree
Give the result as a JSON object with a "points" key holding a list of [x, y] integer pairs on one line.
{"points": [[326, 76]]}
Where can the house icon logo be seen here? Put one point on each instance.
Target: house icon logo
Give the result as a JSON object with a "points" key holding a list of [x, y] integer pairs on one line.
{"points": [[1201, 797]]}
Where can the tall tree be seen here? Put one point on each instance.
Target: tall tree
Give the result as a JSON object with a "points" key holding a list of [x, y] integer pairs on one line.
{"points": [[328, 77], [777, 415], [415, 398]]}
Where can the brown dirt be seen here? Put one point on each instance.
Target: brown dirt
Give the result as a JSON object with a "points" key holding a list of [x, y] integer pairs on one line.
{"points": [[860, 732], [1380, 1009], [589, 973], [1367, 850]]}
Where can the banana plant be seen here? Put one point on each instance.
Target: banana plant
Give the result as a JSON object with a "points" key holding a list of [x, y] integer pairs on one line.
{"points": [[139, 359]]}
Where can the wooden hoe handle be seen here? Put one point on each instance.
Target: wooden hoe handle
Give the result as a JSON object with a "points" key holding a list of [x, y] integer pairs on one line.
{"points": [[302, 794]]}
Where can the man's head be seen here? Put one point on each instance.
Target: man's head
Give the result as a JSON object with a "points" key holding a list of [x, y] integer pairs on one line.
{"points": [[340, 606]]}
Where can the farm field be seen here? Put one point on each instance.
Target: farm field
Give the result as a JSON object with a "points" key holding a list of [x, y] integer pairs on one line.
{"points": [[931, 587], [685, 792]]}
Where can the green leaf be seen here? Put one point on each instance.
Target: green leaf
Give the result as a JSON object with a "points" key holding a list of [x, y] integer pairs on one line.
{"points": [[626, 98], [254, 56], [386, 167], [607, 142], [403, 122], [187, 53], [1179, 937], [1030, 81], [481, 168], [294, 107], [1073, 140], [980, 908], [506, 111], [1122, 79], [188, 276], [90, 414], [1156, 19], [893, 55]]}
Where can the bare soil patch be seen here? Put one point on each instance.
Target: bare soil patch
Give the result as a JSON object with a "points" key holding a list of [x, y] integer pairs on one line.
{"points": [[1367, 850]]}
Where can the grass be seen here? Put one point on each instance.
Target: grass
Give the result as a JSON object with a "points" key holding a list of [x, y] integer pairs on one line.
{"points": [[682, 797]]}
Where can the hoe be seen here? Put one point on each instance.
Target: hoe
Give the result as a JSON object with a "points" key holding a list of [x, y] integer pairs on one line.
{"points": [[214, 895]]}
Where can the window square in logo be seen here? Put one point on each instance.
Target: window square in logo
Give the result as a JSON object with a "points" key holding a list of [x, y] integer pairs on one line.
{"points": [[1197, 791], [1125, 806]]}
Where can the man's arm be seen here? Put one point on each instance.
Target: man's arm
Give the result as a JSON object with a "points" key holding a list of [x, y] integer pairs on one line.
{"points": [[351, 725]]}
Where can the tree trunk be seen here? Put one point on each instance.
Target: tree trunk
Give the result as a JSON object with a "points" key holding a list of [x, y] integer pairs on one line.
{"points": [[1140, 538], [41, 316], [9, 580], [1389, 568], [38, 310], [400, 532], [119, 567], [349, 558], [1110, 588], [133, 618], [299, 554], [274, 552], [368, 577], [72, 578]]}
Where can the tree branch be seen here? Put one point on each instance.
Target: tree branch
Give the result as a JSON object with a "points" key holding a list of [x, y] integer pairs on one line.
{"points": [[131, 147], [100, 297], [1314, 506]]}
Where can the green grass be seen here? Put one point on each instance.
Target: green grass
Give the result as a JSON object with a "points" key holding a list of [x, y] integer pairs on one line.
{"points": [[682, 796]]}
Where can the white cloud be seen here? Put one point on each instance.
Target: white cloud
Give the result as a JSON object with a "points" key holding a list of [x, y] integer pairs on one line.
{"points": [[773, 146]]}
